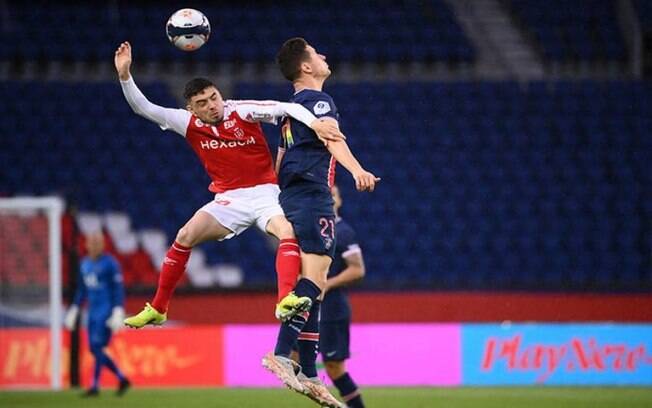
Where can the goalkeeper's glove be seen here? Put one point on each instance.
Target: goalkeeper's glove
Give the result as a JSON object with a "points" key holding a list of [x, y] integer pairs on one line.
{"points": [[115, 322], [71, 317]]}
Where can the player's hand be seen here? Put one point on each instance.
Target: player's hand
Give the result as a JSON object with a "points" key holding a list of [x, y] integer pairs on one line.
{"points": [[365, 181], [115, 322], [70, 318], [327, 131], [122, 60]]}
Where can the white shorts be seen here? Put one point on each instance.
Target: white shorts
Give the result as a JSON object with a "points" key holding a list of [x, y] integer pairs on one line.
{"points": [[241, 208]]}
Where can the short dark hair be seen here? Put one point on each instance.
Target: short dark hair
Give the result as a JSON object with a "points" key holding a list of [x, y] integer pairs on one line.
{"points": [[195, 86], [289, 58]]}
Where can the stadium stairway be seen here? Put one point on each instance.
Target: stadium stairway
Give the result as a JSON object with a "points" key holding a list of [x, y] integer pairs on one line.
{"points": [[567, 31], [141, 253]]}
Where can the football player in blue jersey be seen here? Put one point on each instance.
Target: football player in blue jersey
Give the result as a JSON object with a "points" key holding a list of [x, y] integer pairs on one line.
{"points": [[306, 172], [100, 283], [335, 321]]}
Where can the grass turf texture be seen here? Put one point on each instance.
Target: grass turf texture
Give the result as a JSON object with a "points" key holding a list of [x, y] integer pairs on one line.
{"points": [[548, 397]]}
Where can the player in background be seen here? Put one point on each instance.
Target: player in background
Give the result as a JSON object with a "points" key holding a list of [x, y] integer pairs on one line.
{"points": [[229, 141], [306, 170], [100, 282], [335, 322]]}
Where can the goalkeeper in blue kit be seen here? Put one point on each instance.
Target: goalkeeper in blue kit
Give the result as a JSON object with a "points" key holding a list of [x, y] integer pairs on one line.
{"points": [[101, 284]]}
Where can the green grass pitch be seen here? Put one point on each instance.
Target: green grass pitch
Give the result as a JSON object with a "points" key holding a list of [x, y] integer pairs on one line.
{"points": [[374, 398]]}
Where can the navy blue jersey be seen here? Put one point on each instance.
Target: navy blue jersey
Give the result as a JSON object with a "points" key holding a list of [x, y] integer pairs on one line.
{"points": [[306, 158], [335, 305], [101, 283]]}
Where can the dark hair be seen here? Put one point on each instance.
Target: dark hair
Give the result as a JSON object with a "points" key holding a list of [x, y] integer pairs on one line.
{"points": [[195, 86], [289, 58]]}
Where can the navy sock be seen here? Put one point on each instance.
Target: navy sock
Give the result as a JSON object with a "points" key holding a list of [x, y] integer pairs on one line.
{"points": [[288, 334], [349, 391], [290, 330], [308, 342], [306, 287]]}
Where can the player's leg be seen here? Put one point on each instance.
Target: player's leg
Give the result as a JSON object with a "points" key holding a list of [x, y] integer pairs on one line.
{"points": [[200, 228], [217, 220], [348, 389], [316, 267], [123, 382], [316, 239], [96, 340], [303, 330], [315, 260], [99, 338], [288, 269], [95, 384], [334, 348], [288, 256], [316, 244], [307, 345], [271, 219], [279, 362], [100, 342]]}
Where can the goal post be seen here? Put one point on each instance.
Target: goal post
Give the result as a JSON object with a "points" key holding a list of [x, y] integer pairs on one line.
{"points": [[21, 218]]}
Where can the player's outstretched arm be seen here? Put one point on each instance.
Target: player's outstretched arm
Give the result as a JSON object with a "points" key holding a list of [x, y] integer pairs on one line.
{"points": [[122, 61], [166, 118], [326, 130], [364, 180], [269, 111]]}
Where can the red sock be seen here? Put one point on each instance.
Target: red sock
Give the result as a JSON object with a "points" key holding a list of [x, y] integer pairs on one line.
{"points": [[172, 270], [288, 266]]}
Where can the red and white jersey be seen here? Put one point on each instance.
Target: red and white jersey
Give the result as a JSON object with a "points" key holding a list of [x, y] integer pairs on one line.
{"points": [[234, 153]]}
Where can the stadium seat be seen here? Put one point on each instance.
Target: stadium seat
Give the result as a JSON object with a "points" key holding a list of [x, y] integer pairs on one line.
{"points": [[381, 35], [568, 31], [487, 185]]}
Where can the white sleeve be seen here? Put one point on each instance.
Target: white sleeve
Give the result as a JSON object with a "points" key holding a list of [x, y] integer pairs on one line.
{"points": [[270, 111], [166, 118]]}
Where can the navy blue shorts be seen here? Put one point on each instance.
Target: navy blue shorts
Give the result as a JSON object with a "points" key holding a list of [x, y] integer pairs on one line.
{"points": [[309, 208], [334, 340], [98, 334]]}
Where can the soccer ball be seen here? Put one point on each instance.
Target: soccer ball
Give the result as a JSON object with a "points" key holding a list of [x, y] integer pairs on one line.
{"points": [[188, 29]]}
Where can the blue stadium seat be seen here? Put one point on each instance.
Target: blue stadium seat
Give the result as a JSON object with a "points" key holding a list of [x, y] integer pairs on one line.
{"points": [[494, 186], [568, 31], [364, 30]]}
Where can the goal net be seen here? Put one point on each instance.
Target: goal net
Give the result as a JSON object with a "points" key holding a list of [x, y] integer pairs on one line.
{"points": [[30, 292]]}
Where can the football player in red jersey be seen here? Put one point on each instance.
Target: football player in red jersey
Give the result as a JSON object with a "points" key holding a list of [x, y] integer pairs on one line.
{"points": [[228, 139]]}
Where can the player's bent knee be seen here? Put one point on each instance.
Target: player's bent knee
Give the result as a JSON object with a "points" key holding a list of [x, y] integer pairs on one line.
{"points": [[201, 227], [286, 231], [185, 237], [280, 227], [315, 268], [334, 369]]}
